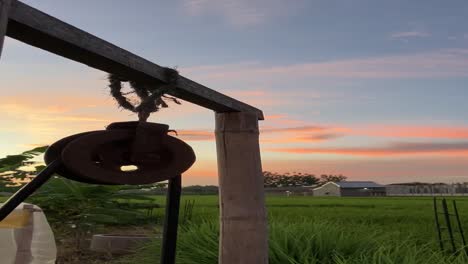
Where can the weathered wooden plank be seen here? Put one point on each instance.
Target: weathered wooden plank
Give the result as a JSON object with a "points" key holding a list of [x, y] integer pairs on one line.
{"points": [[38, 29], [4, 10], [243, 223]]}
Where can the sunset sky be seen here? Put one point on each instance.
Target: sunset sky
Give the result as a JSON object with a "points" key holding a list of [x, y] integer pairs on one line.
{"points": [[374, 90]]}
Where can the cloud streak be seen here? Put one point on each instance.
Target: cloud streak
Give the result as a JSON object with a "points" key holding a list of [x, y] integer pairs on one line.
{"points": [[393, 131], [409, 34], [320, 133], [436, 64], [264, 97], [394, 149], [239, 13], [313, 138], [307, 129], [196, 135]]}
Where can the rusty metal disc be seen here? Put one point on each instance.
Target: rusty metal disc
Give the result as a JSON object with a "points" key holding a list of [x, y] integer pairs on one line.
{"points": [[54, 152], [99, 156]]}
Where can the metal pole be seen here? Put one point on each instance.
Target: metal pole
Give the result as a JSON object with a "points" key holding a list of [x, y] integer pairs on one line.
{"points": [[28, 189], [171, 223], [449, 225], [460, 228], [439, 234]]}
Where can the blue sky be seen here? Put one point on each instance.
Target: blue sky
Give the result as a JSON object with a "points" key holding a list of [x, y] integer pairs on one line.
{"points": [[351, 74]]}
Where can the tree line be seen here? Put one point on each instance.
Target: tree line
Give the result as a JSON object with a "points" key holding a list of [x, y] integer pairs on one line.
{"points": [[298, 179]]}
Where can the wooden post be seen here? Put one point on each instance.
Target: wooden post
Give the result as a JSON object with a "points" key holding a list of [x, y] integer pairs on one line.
{"points": [[4, 8], [243, 223]]}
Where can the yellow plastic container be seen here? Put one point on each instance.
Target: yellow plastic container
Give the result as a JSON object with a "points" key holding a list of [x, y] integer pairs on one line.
{"points": [[26, 237], [17, 219]]}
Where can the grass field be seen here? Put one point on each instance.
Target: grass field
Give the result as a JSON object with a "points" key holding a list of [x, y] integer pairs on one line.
{"points": [[307, 230]]}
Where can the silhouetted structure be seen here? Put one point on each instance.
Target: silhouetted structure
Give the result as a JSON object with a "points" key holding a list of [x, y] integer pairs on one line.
{"points": [[350, 188], [426, 189]]}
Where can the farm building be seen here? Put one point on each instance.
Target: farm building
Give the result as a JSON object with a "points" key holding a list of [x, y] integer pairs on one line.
{"points": [[426, 189], [350, 188]]}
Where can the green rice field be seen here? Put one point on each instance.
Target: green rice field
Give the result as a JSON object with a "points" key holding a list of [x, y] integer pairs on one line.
{"points": [[306, 230]]}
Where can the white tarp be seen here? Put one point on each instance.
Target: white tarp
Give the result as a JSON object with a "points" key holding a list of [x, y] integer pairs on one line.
{"points": [[26, 237]]}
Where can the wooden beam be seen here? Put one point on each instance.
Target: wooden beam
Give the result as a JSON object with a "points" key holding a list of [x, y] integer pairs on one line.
{"points": [[38, 29], [243, 227], [4, 10]]}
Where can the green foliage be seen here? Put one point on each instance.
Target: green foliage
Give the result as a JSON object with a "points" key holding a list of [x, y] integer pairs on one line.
{"points": [[305, 242], [324, 178], [10, 168], [13, 162], [273, 179], [312, 230], [81, 206], [294, 179], [86, 205], [200, 190], [75, 209]]}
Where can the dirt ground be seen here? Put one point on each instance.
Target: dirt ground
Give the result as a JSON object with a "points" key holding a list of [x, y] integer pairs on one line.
{"points": [[73, 247]]}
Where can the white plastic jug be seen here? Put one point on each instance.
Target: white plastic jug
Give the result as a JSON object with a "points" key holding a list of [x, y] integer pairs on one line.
{"points": [[26, 237]]}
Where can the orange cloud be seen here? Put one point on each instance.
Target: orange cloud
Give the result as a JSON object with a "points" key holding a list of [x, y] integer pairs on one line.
{"points": [[290, 135], [282, 120], [394, 149], [196, 135], [304, 139], [320, 133], [70, 118], [412, 131], [277, 116], [303, 129], [49, 103], [384, 131]]}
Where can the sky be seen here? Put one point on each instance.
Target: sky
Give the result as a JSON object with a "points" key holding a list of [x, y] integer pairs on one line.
{"points": [[373, 90]]}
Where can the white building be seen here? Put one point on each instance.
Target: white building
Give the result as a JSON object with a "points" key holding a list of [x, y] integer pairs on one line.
{"points": [[350, 188]]}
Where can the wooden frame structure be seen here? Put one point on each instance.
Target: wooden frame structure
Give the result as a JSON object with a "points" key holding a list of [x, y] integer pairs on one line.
{"points": [[243, 223]]}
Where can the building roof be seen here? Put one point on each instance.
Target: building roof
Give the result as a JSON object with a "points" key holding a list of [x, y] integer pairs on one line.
{"points": [[359, 184]]}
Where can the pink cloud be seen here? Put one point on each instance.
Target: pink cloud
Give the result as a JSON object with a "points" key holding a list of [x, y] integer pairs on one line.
{"points": [[306, 129], [196, 135], [311, 138], [302, 133], [313, 133], [435, 64], [272, 135], [394, 149], [275, 116], [453, 132]]}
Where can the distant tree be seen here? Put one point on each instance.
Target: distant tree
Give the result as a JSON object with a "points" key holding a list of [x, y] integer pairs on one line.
{"points": [[5, 184], [324, 178], [199, 190], [273, 179], [12, 168]]}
